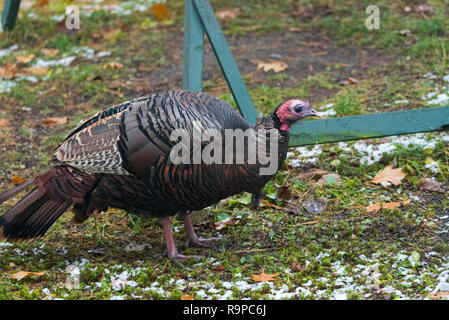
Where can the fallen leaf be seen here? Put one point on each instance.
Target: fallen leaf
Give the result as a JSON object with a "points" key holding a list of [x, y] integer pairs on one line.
{"points": [[276, 66], [438, 295], [314, 174], [407, 9], [161, 11], [262, 277], [375, 207], [330, 179], [352, 80], [19, 275], [53, 121], [227, 14], [25, 59], [94, 78], [389, 176], [4, 123], [35, 71], [431, 185], [8, 71], [423, 8], [113, 65], [404, 32], [315, 205], [50, 52], [296, 266], [187, 296], [226, 222], [110, 33], [218, 269], [41, 3], [284, 193], [17, 180]]}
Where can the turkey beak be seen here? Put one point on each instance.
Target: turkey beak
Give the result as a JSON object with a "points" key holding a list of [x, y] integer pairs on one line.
{"points": [[311, 113]]}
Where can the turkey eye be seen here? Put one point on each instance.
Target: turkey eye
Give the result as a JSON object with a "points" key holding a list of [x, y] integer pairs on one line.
{"points": [[298, 109]]}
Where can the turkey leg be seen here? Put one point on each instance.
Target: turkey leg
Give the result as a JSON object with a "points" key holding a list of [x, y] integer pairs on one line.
{"points": [[193, 239], [171, 249]]}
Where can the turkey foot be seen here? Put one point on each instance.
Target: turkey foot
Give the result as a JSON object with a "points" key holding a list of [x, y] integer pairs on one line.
{"points": [[192, 238], [171, 249]]}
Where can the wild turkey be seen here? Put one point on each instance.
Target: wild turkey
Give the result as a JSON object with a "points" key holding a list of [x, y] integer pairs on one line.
{"points": [[120, 158]]}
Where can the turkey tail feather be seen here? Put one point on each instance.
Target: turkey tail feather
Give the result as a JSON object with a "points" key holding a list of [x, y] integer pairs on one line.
{"points": [[53, 193], [32, 216]]}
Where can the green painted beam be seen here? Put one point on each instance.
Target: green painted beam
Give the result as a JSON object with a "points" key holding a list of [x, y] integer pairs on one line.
{"points": [[226, 61], [369, 126], [192, 67], [9, 14]]}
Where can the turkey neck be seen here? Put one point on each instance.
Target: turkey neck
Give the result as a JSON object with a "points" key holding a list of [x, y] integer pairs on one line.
{"points": [[273, 122]]}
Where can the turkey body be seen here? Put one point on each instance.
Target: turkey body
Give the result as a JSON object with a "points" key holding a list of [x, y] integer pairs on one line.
{"points": [[128, 147], [120, 158]]}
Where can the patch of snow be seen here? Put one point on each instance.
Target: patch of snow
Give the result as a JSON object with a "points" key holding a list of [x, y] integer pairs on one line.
{"points": [[40, 63], [7, 52]]}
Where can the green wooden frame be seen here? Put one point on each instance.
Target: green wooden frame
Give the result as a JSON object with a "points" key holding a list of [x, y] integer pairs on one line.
{"points": [[9, 14], [200, 18]]}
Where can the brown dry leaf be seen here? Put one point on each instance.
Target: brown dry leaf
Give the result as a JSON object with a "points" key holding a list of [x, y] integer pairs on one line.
{"points": [[276, 66], [352, 80], [221, 224], [113, 65], [161, 11], [227, 14], [19, 275], [25, 59], [389, 175], [284, 193], [53, 121], [50, 52], [110, 33], [423, 8], [41, 3], [296, 266], [431, 185], [36, 71], [187, 296], [17, 180], [314, 174], [329, 179], [4, 123], [375, 207], [315, 205], [8, 71], [438, 295], [262, 277]]}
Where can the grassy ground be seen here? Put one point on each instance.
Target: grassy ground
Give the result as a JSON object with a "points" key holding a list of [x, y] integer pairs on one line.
{"points": [[333, 60]]}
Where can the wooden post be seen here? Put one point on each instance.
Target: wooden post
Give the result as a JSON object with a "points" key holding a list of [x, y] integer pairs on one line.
{"points": [[224, 57], [192, 67], [9, 14], [369, 126]]}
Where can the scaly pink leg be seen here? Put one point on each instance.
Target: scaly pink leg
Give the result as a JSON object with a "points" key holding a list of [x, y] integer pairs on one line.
{"points": [[168, 234], [193, 239]]}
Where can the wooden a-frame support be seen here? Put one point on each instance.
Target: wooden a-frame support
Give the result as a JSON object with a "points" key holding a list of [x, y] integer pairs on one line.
{"points": [[200, 18]]}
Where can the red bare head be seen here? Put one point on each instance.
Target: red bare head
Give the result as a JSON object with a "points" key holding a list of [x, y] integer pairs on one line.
{"points": [[292, 111]]}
